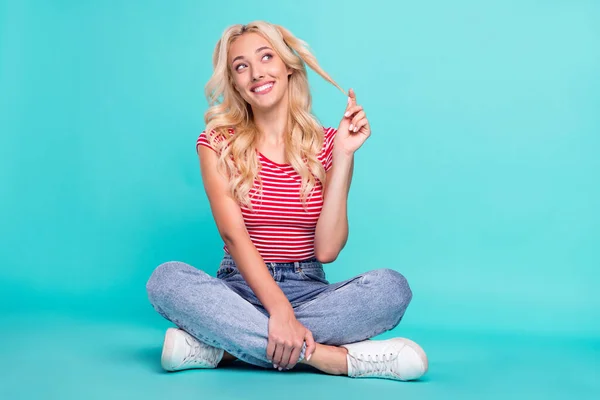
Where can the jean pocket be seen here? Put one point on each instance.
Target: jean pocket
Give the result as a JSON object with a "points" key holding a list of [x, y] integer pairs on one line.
{"points": [[226, 272], [313, 274]]}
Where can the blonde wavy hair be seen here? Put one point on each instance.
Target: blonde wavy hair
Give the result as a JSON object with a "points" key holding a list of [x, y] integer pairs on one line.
{"points": [[229, 111]]}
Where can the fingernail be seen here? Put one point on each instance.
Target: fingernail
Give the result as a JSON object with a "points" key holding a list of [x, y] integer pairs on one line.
{"points": [[309, 356], [275, 366], [351, 126], [280, 368], [347, 114], [356, 129]]}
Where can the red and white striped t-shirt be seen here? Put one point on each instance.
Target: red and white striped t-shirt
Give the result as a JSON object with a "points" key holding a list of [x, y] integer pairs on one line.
{"points": [[279, 227]]}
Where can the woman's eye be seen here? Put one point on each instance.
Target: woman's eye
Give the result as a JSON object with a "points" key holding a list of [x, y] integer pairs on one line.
{"points": [[237, 68]]}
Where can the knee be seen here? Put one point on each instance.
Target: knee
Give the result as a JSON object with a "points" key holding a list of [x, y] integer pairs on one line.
{"points": [[163, 279], [397, 288], [394, 291]]}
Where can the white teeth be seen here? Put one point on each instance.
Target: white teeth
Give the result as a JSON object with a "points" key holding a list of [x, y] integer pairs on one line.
{"points": [[263, 87]]}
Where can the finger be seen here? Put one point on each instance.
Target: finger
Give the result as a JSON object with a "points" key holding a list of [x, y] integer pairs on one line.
{"points": [[363, 127], [310, 345], [349, 105], [285, 357], [278, 354], [352, 96], [360, 115], [270, 350], [350, 111], [351, 99], [294, 356]]}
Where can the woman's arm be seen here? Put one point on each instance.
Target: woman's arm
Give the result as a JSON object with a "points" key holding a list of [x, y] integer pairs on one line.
{"points": [[230, 223], [332, 227]]}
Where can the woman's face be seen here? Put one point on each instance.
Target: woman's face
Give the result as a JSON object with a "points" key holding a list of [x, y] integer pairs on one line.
{"points": [[259, 74]]}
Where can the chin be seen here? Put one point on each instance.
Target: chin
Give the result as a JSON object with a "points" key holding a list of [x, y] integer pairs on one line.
{"points": [[266, 105]]}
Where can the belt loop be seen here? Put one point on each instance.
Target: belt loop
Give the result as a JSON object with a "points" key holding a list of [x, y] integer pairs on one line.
{"points": [[296, 266], [270, 268]]}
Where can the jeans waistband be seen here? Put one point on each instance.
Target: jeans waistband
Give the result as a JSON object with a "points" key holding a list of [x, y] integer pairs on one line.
{"points": [[309, 263]]}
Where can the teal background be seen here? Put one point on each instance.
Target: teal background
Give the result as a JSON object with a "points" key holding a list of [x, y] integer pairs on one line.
{"points": [[480, 184]]}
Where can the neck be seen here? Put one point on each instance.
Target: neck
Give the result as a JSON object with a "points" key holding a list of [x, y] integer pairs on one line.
{"points": [[272, 123]]}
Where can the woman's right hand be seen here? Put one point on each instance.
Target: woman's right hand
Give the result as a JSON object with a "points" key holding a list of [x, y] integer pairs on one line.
{"points": [[286, 338]]}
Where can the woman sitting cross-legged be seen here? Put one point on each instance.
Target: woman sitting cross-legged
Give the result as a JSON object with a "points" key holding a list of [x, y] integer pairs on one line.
{"points": [[278, 182]]}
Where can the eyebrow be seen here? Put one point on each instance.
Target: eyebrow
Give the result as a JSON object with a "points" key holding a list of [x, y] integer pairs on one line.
{"points": [[257, 51]]}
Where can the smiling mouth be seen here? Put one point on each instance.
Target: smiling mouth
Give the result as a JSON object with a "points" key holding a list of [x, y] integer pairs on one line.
{"points": [[266, 88]]}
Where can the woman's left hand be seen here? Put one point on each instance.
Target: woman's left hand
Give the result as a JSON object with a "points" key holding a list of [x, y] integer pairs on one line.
{"points": [[354, 128]]}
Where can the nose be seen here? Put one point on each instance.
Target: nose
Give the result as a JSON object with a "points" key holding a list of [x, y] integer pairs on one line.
{"points": [[257, 75]]}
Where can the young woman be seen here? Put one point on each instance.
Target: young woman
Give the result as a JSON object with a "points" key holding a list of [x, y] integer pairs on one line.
{"points": [[277, 182]]}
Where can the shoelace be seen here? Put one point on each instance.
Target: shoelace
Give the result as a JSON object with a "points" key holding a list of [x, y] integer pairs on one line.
{"points": [[195, 354], [380, 364]]}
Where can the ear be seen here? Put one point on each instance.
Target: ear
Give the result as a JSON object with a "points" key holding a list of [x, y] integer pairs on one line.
{"points": [[290, 71]]}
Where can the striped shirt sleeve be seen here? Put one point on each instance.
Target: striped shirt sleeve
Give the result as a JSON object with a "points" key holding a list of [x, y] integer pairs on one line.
{"points": [[203, 140]]}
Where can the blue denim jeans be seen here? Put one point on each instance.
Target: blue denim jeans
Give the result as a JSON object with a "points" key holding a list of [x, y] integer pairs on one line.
{"points": [[225, 313]]}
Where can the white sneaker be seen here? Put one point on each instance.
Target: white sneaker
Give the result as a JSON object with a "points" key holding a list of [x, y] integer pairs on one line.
{"points": [[182, 351], [396, 358]]}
